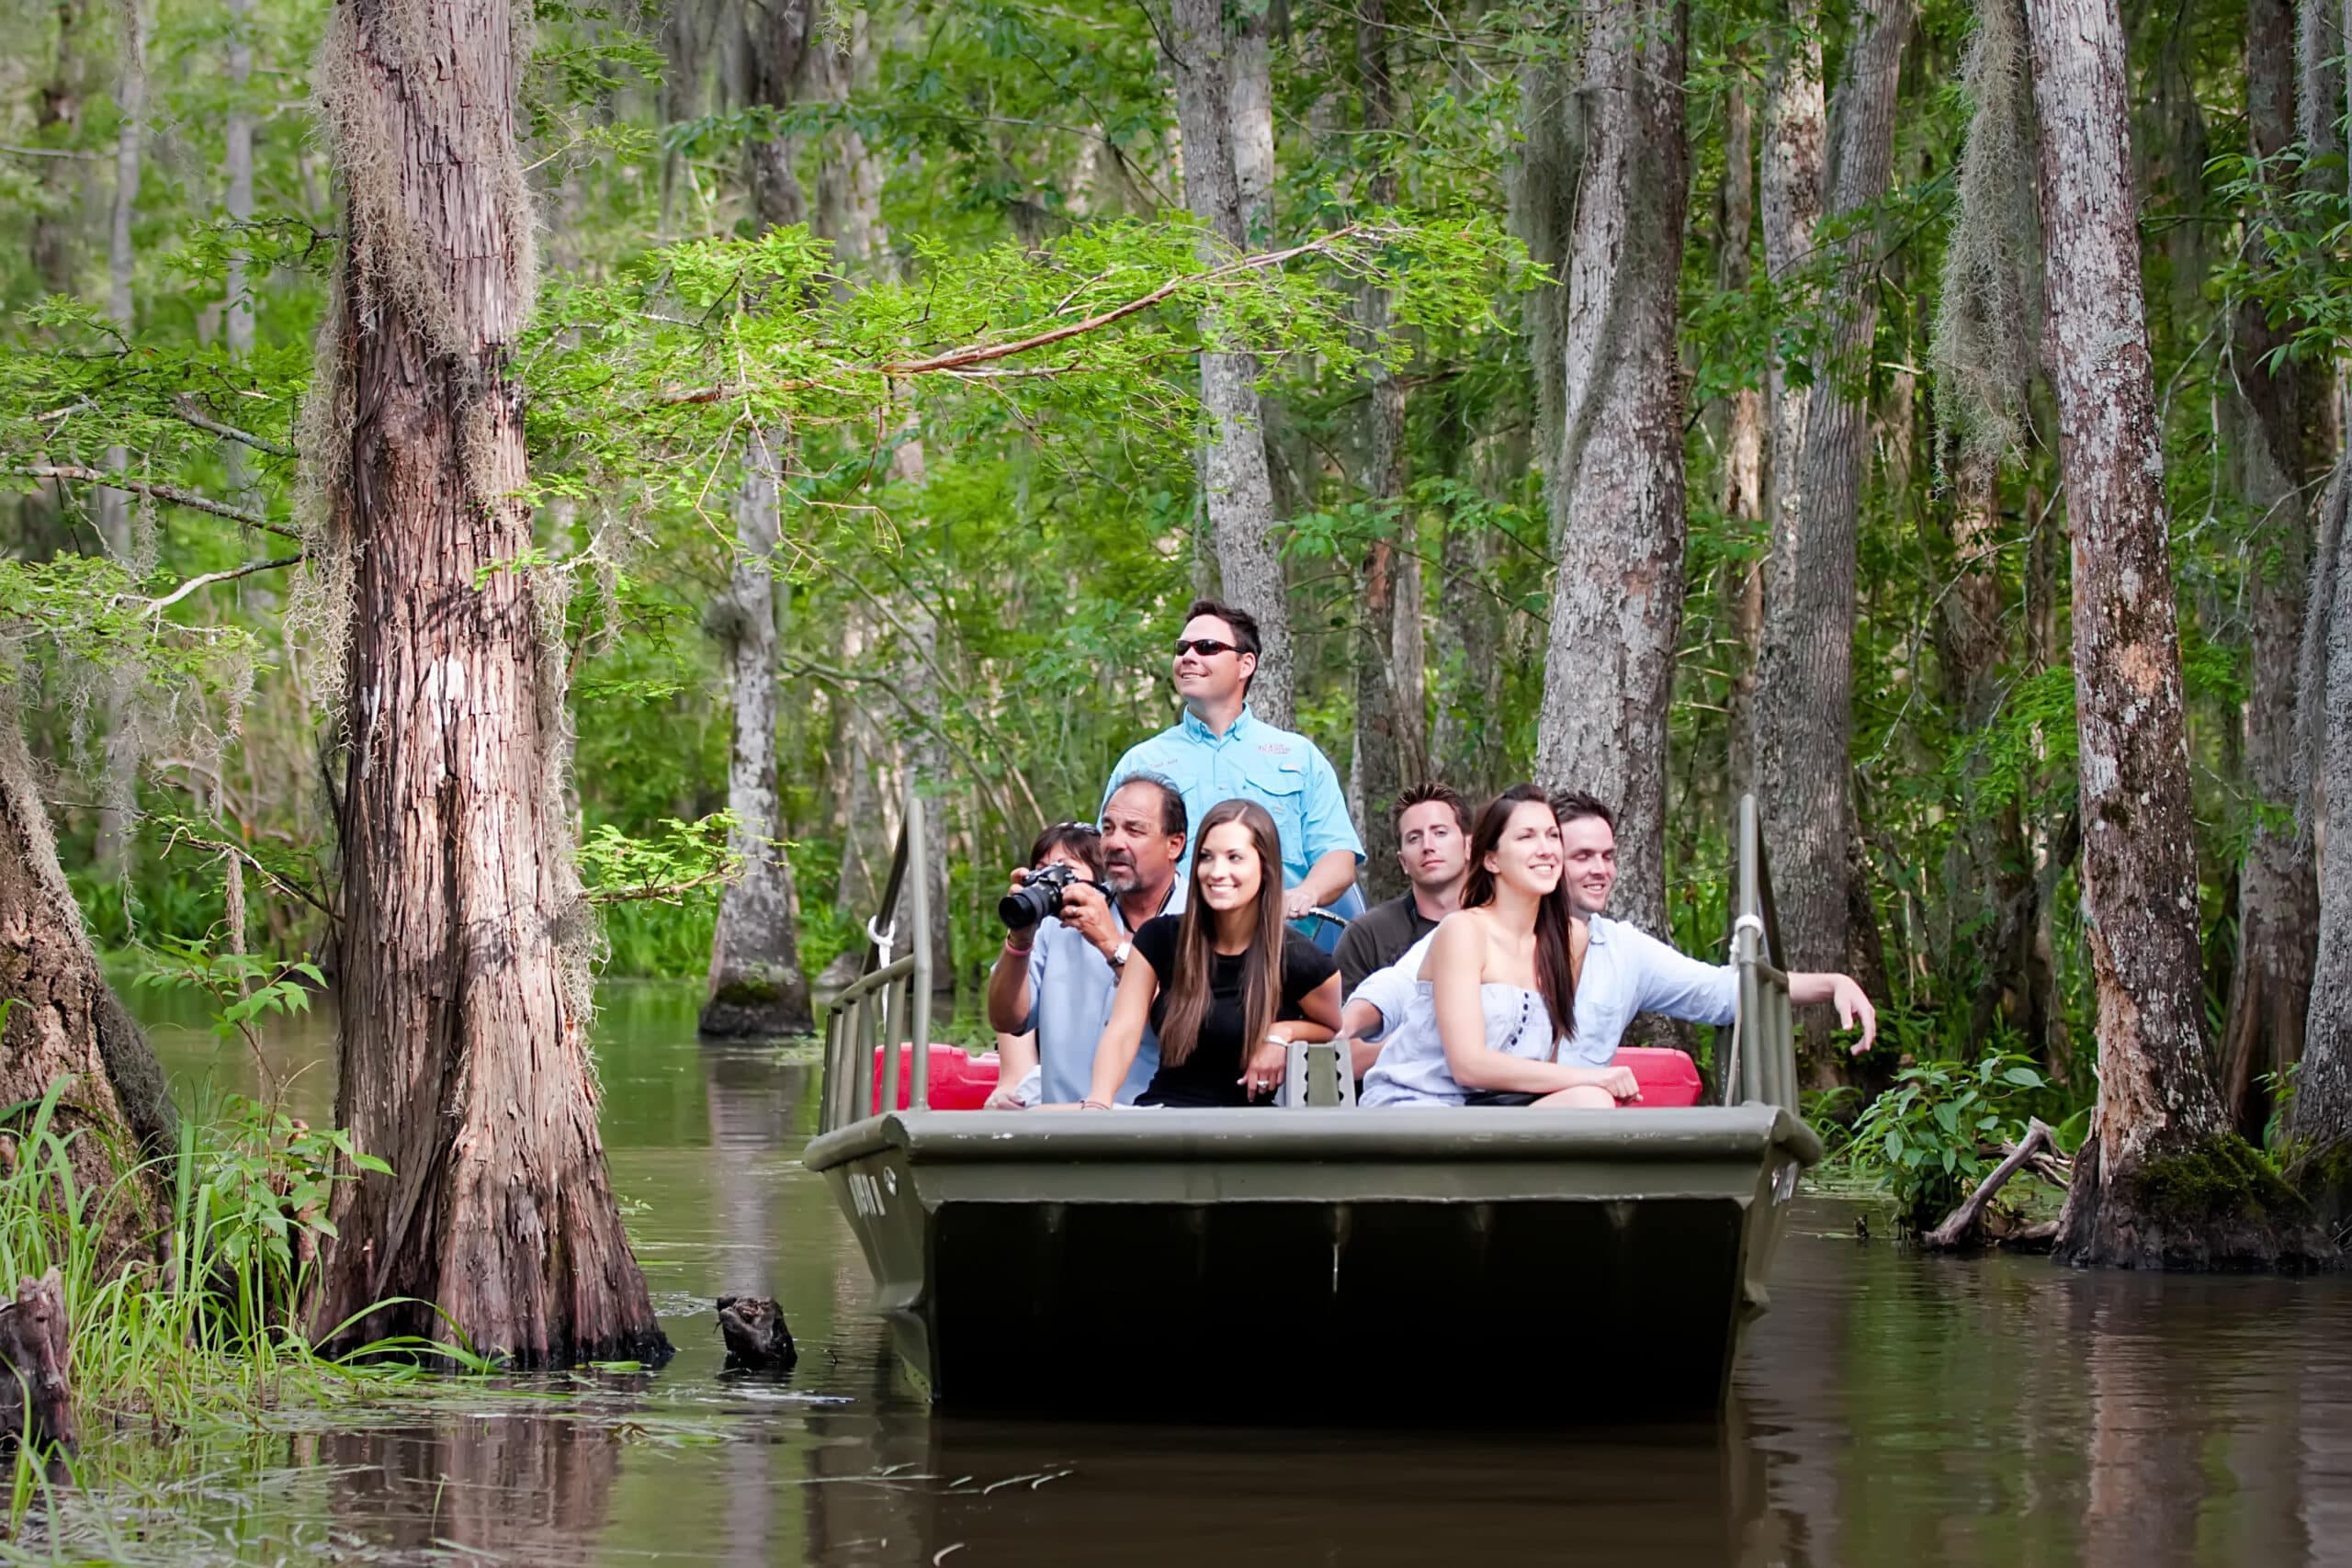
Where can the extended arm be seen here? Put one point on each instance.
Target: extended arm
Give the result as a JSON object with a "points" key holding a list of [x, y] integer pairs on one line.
{"points": [[1123, 1036], [1845, 993]]}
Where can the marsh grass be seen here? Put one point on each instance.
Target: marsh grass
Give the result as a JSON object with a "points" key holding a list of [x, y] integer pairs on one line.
{"points": [[194, 1331]]}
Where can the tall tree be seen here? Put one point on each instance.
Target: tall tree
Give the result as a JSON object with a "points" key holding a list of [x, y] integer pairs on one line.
{"points": [[1805, 675], [1984, 354], [1742, 501], [62, 1024], [1615, 484], [2321, 1120], [118, 803], [2278, 887], [1388, 695], [57, 119], [2160, 1181], [463, 1050], [756, 987], [1221, 146]]}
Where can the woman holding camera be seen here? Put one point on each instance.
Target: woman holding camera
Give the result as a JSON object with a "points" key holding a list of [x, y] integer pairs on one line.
{"points": [[1225, 984]]}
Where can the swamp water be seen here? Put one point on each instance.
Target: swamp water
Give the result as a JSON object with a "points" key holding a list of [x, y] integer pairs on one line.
{"points": [[1889, 1409]]}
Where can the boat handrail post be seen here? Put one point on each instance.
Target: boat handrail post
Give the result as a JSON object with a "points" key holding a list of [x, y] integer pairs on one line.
{"points": [[1764, 1037], [919, 980]]}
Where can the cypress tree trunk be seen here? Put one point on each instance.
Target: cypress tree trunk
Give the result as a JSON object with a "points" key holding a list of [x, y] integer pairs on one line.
{"points": [[1743, 437], [61, 1022], [1796, 138], [2278, 890], [1220, 145], [118, 803], [57, 120], [756, 987], [1616, 484], [1983, 357], [1388, 742], [2322, 1110], [2161, 1182], [1804, 700], [462, 1052]]}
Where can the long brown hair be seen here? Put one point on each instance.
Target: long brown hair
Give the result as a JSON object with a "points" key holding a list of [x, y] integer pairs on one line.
{"points": [[1188, 990], [1555, 975]]}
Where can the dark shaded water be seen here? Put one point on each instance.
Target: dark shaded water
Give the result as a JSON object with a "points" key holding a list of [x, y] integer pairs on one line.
{"points": [[1889, 1410]]}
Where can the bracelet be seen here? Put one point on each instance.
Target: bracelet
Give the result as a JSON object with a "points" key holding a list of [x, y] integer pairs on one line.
{"points": [[1092, 1105], [1022, 952]]}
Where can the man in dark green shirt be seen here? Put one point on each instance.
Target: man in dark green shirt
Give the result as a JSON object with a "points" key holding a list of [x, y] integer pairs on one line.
{"points": [[1433, 846]]}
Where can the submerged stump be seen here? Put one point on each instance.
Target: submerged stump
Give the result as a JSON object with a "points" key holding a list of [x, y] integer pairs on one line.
{"points": [[33, 1340]]}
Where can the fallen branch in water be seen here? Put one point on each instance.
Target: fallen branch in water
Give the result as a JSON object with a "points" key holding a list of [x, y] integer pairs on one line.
{"points": [[1959, 1226]]}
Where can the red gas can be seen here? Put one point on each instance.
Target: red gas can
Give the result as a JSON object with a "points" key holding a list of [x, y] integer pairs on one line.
{"points": [[1668, 1077], [959, 1080]]}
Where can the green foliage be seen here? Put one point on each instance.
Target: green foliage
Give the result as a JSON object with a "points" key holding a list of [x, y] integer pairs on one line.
{"points": [[1935, 1132], [687, 858]]}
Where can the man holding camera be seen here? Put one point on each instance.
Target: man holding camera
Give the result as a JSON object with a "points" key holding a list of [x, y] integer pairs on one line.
{"points": [[1057, 974]]}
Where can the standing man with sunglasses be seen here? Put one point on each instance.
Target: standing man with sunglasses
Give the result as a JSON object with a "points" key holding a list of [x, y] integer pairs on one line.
{"points": [[1223, 752]]}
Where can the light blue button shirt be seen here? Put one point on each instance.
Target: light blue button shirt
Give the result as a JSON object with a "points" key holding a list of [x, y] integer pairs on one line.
{"points": [[1071, 989], [1626, 971], [1252, 760]]}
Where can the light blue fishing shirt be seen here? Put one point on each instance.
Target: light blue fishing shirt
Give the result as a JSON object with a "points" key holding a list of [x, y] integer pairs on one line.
{"points": [[1252, 760]]}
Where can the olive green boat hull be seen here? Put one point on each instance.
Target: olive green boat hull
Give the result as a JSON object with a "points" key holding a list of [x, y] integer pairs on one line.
{"points": [[1535, 1266]]}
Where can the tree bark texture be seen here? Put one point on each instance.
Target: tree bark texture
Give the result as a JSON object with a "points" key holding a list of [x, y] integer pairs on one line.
{"points": [[1804, 705], [34, 1365], [1742, 499], [462, 1051], [118, 804], [1386, 742], [756, 987], [2277, 885], [1469, 621], [1796, 140], [2155, 1184], [2322, 1109], [57, 119], [1235, 481], [1615, 487], [60, 1021]]}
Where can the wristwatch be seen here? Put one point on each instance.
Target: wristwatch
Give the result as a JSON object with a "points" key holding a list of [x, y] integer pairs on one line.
{"points": [[1119, 955]]}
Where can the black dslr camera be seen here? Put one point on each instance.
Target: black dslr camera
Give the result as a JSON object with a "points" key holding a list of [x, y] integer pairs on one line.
{"points": [[1039, 897]]}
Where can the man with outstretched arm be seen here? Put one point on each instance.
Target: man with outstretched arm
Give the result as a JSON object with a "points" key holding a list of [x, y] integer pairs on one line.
{"points": [[1223, 752], [1620, 969], [1058, 976]]}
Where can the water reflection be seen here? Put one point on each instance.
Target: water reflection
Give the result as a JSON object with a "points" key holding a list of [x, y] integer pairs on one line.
{"points": [[1889, 1409]]}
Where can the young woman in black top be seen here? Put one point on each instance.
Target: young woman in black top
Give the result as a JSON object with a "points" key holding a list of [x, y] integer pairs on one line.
{"points": [[1225, 984]]}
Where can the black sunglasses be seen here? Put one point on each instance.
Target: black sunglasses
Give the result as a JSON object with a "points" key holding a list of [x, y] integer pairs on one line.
{"points": [[1207, 647], [1074, 828]]}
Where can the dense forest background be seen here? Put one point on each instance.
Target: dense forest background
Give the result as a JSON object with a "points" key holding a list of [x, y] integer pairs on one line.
{"points": [[977, 580]]}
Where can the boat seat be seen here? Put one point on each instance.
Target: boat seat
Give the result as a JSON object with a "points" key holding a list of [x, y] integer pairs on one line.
{"points": [[1318, 1075]]}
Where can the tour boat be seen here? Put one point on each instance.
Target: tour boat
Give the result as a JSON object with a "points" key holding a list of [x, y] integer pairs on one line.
{"points": [[1313, 1261]]}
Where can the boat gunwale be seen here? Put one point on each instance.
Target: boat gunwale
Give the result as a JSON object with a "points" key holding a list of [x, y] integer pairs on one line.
{"points": [[1745, 1132]]}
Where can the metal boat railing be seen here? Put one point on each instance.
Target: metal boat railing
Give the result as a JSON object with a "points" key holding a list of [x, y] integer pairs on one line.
{"points": [[890, 999], [1763, 1065]]}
